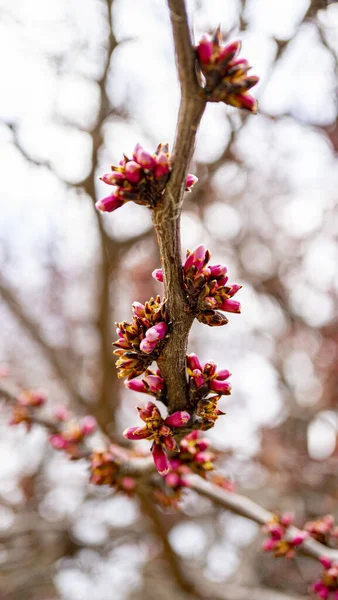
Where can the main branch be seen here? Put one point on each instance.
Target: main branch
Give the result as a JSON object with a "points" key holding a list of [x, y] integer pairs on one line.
{"points": [[166, 216]]}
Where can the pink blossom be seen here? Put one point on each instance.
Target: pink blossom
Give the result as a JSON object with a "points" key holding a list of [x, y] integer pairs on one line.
{"points": [[190, 182], [158, 275], [110, 203], [204, 49], [177, 419], [160, 459], [196, 258], [88, 425], [144, 158], [136, 433], [133, 171]]}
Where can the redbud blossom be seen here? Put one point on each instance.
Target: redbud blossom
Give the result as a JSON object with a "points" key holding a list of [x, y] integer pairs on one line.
{"points": [[72, 436], [327, 585], [280, 542], [141, 340], [158, 430], [226, 78], [141, 179], [206, 287]]}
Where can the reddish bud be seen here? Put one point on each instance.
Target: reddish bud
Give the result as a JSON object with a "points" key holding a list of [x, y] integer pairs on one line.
{"points": [[109, 204], [177, 419], [133, 171], [160, 459]]}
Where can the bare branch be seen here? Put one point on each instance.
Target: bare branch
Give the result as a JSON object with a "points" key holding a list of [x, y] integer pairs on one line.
{"points": [[33, 330]]}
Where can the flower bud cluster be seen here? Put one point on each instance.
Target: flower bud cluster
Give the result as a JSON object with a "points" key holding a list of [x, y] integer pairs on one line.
{"points": [[141, 179], [323, 530], [206, 288], [72, 435], [205, 380], [105, 469], [151, 383], [226, 77], [27, 403], [160, 431], [141, 341], [327, 586], [280, 542]]}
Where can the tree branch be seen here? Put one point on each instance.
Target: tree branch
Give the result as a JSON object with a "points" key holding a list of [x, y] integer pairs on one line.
{"points": [[248, 508], [166, 215]]}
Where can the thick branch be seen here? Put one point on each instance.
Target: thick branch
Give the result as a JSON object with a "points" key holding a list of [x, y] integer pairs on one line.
{"points": [[166, 216], [248, 508]]}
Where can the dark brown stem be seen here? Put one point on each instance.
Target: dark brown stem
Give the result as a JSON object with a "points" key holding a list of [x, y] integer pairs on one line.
{"points": [[166, 215]]}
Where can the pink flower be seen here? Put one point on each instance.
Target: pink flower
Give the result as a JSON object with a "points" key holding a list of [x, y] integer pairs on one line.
{"points": [[158, 275], [144, 158], [133, 171], [196, 258], [110, 203], [161, 460], [190, 182], [159, 431], [204, 49], [88, 425]]}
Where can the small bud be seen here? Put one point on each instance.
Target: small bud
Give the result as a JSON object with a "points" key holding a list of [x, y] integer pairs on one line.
{"points": [[133, 171], [190, 182], [193, 362], [136, 433], [136, 385], [109, 204], [177, 419], [157, 332], [160, 459], [204, 49], [113, 178], [88, 425], [158, 275], [144, 158]]}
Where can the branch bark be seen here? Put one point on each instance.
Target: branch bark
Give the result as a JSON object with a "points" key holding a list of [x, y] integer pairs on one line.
{"points": [[166, 215]]}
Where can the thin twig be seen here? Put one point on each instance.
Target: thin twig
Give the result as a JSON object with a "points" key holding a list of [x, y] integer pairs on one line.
{"points": [[248, 508]]}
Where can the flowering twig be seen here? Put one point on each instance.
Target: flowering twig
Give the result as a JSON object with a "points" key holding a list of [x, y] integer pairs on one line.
{"points": [[248, 508]]}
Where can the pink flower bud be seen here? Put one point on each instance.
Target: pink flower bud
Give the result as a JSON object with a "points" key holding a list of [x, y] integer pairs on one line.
{"points": [[170, 443], [149, 410], [299, 538], [231, 306], [196, 258], [58, 442], [160, 459], [234, 289], [248, 102], [144, 158], [61, 413], [223, 281], [138, 309], [193, 362], [276, 530], [88, 425], [136, 385], [178, 418], [162, 167], [204, 49], [218, 270], [158, 275], [286, 519], [190, 182], [198, 378], [229, 52], [222, 387], [136, 433], [147, 347], [157, 332], [113, 178], [326, 562], [109, 204], [155, 383], [222, 374], [209, 368], [269, 545], [132, 171]]}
